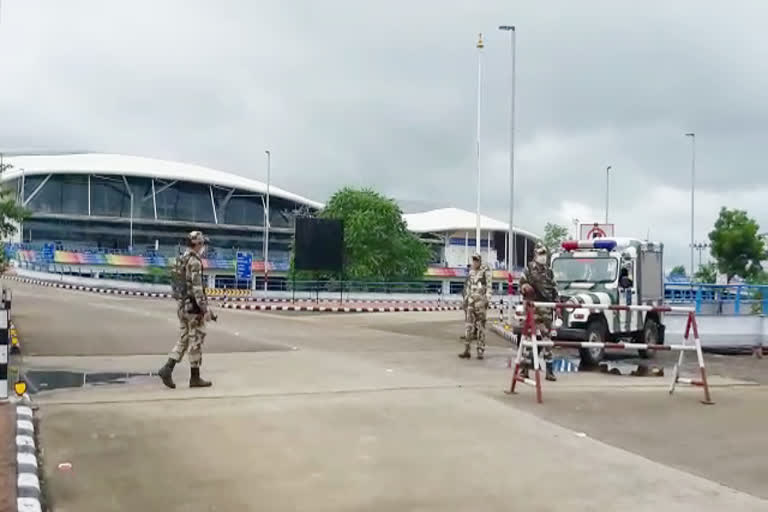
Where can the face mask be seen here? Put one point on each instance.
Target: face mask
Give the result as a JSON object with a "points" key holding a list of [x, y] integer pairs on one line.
{"points": [[541, 260]]}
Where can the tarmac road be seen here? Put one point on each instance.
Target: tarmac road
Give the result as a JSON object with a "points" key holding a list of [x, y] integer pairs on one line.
{"points": [[366, 412]]}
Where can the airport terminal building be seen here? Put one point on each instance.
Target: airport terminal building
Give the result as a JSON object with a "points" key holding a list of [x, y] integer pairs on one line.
{"points": [[125, 214], [134, 204]]}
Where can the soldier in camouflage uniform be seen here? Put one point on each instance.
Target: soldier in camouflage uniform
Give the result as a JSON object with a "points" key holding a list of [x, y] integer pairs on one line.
{"points": [[477, 296], [464, 303], [192, 311], [538, 284]]}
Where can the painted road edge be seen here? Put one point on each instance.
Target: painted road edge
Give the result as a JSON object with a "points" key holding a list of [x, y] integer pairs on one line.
{"points": [[67, 286], [338, 309], [250, 306], [28, 494]]}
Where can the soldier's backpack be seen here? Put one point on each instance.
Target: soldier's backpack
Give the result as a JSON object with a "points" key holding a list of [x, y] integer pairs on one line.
{"points": [[179, 276]]}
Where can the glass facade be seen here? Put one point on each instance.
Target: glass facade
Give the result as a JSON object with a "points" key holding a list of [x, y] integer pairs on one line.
{"points": [[60, 194], [113, 196], [242, 210], [189, 202], [280, 213], [143, 205], [109, 197], [153, 213]]}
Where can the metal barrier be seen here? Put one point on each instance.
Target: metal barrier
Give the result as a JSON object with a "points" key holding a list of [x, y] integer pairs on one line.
{"points": [[529, 340], [719, 299]]}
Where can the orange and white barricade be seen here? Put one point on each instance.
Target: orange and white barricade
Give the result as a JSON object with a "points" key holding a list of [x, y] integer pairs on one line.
{"points": [[529, 340]]}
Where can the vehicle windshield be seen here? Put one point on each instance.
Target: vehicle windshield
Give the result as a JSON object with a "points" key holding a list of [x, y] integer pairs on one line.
{"points": [[590, 270]]}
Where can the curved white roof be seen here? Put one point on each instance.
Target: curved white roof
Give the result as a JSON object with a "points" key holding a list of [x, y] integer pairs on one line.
{"points": [[455, 219], [123, 165]]}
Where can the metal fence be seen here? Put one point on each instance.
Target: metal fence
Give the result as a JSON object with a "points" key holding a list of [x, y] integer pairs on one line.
{"points": [[708, 299], [736, 299], [430, 287]]}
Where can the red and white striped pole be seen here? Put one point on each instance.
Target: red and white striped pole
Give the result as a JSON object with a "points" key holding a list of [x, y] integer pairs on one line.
{"points": [[519, 357], [528, 339]]}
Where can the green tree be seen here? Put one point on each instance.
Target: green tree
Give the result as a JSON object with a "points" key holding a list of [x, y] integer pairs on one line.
{"points": [[760, 277], [707, 273], [554, 235], [736, 244], [377, 244], [678, 271], [757, 294], [11, 214]]}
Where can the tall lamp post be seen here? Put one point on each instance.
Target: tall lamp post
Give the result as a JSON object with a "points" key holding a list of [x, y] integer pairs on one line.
{"points": [[693, 187], [511, 246], [266, 222], [607, 190], [130, 229], [477, 141], [700, 246]]}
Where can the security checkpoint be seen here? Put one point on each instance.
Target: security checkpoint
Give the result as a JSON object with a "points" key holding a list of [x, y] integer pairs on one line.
{"points": [[529, 339]]}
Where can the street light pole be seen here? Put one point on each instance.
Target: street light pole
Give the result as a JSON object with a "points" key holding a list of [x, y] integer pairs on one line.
{"points": [[477, 141], [693, 187], [130, 196], [266, 223], [511, 246], [607, 190], [700, 247], [131, 227]]}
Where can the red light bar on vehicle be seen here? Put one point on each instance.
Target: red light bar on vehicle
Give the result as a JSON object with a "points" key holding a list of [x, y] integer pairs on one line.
{"points": [[597, 243]]}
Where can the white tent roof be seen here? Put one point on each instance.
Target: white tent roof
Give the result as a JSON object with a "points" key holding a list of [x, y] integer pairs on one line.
{"points": [[454, 219], [124, 165]]}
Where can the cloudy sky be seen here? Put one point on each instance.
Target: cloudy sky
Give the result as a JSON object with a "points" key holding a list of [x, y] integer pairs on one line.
{"points": [[383, 94]]}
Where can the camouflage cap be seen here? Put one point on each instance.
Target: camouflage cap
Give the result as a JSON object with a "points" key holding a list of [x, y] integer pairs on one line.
{"points": [[477, 257], [540, 249], [197, 237]]}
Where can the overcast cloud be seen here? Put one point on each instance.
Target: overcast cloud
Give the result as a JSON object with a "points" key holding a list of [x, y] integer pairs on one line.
{"points": [[382, 94]]}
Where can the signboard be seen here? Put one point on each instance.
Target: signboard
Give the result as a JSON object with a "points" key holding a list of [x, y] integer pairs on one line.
{"points": [[48, 253], [243, 270], [595, 230]]}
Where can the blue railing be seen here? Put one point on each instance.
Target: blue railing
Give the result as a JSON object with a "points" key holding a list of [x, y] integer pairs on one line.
{"points": [[737, 299]]}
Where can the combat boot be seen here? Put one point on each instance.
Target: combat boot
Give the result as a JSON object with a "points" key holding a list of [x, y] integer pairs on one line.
{"points": [[465, 354], [523, 370], [195, 381], [480, 354], [166, 373], [550, 372]]}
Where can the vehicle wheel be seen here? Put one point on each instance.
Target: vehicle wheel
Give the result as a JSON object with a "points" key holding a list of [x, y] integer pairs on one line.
{"points": [[596, 332], [650, 337]]}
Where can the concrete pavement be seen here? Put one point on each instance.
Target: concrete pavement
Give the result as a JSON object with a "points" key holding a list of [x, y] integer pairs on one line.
{"points": [[7, 458], [369, 412]]}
